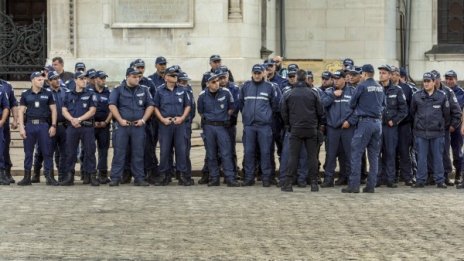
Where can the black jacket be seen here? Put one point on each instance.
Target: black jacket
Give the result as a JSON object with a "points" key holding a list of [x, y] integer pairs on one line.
{"points": [[302, 108], [430, 113]]}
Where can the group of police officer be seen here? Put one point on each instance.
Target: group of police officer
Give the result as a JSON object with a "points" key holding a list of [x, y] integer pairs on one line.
{"points": [[406, 132]]}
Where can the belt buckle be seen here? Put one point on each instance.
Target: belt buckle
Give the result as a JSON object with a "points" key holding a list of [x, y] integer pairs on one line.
{"points": [[35, 121]]}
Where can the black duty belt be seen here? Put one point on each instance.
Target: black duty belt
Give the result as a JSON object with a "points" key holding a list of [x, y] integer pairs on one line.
{"points": [[36, 121], [87, 123], [61, 123], [215, 123]]}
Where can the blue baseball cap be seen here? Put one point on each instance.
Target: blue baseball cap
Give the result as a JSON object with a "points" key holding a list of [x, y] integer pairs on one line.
{"points": [[368, 68], [257, 68], [293, 67], [338, 74], [309, 74], [326, 75], [394, 69], [132, 71], [174, 70], [403, 72], [101, 74], [291, 72], [348, 61], [385, 67], [160, 60], [79, 74], [212, 76], [90, 73], [219, 72], [451, 73], [214, 57], [436, 74], [268, 62], [53, 75], [37, 74], [183, 76], [428, 76], [79, 65], [138, 63]]}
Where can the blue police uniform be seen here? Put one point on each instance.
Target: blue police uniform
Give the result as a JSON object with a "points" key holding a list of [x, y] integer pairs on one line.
{"points": [[102, 134], [131, 104], [430, 113], [4, 104], [172, 104], [214, 107], [188, 126], [37, 121], [7, 88], [157, 79], [456, 137], [368, 103], [338, 110], [396, 110], [77, 104], [232, 128], [405, 138], [258, 102]]}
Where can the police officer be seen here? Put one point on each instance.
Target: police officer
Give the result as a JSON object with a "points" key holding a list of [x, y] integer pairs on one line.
{"points": [[78, 67], [430, 109], [452, 125], [172, 108], [451, 79], [302, 111], [404, 131], [258, 101], [368, 103], [102, 125], [131, 106], [215, 63], [215, 105], [4, 107], [58, 65], [341, 122], [7, 88], [79, 109], [327, 80], [38, 105], [158, 76], [395, 111]]}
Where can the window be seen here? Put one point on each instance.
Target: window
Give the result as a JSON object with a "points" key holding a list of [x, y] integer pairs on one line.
{"points": [[450, 22]]}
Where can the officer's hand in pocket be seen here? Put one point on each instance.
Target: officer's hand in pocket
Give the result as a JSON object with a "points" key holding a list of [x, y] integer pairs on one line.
{"points": [[51, 131]]}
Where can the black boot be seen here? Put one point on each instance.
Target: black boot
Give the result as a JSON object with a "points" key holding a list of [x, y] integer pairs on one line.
{"points": [[3, 178], [126, 177], [184, 180], [68, 180], [204, 178], [287, 185], [103, 177], [150, 178], [93, 179], [36, 177], [50, 177], [8, 175], [85, 177], [160, 180], [26, 181], [457, 177], [61, 177]]}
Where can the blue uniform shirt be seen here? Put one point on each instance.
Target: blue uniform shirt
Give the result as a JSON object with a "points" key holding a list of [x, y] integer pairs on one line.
{"points": [[215, 107], [3, 102], [258, 101], [459, 93], [368, 99], [37, 104], [171, 103], [156, 79], [59, 96], [193, 106], [281, 82], [338, 108], [102, 100], [131, 102], [9, 93], [78, 103], [235, 91]]}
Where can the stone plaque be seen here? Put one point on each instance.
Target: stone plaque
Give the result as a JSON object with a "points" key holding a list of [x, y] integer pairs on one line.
{"points": [[152, 14]]}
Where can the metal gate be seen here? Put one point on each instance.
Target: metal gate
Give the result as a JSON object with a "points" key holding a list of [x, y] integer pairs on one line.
{"points": [[22, 47]]}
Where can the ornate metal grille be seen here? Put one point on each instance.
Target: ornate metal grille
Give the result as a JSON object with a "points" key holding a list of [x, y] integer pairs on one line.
{"points": [[22, 47]]}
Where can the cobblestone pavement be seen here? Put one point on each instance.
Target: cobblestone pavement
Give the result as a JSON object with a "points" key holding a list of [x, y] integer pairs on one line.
{"points": [[220, 223]]}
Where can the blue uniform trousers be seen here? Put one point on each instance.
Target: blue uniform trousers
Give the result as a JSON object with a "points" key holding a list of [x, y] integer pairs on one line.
{"points": [[150, 159], [404, 150], [173, 137], [338, 142], [302, 163], [218, 142], [2, 147], [366, 135], [37, 133], [102, 137], [87, 136], [387, 163], [456, 148], [188, 142], [447, 165], [128, 138], [232, 131], [433, 148], [58, 150], [6, 147], [261, 136]]}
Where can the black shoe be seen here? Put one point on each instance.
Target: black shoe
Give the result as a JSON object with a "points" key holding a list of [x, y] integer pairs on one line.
{"points": [[214, 183], [94, 181], [392, 185], [103, 177], [409, 183], [184, 181], [327, 184], [50, 177], [273, 181], [350, 190], [160, 180], [36, 177], [287, 186], [448, 182], [114, 183], [314, 187], [419, 185], [126, 177], [8, 175], [301, 184], [248, 183], [442, 185], [204, 178], [266, 183], [68, 180], [363, 181], [341, 182], [3, 178], [233, 183], [26, 181], [141, 183], [460, 185], [368, 190], [85, 177]]}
